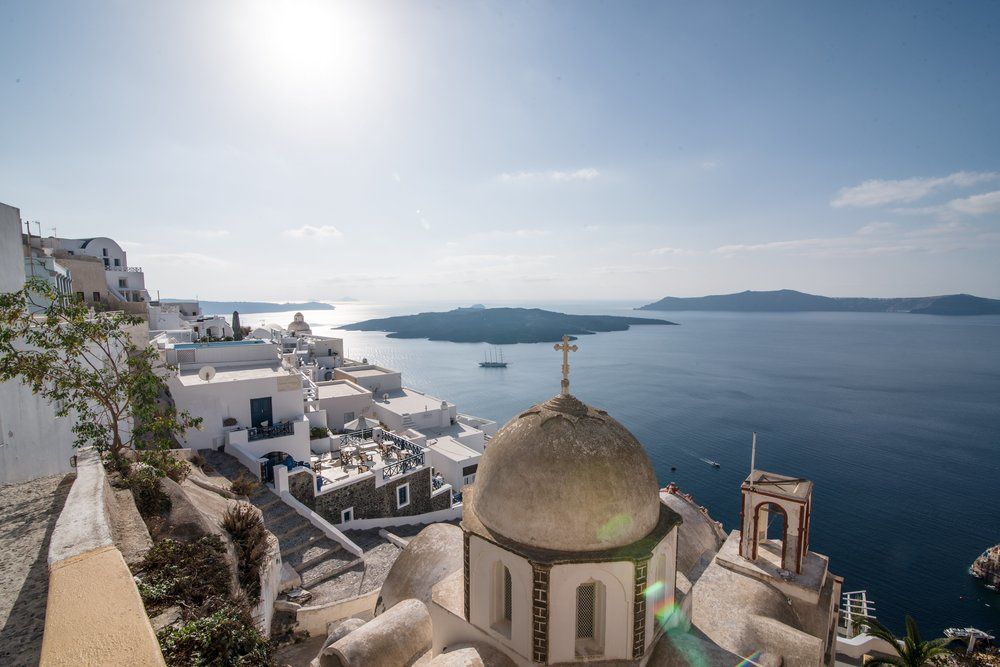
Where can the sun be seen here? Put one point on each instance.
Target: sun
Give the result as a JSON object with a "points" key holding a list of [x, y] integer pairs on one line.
{"points": [[325, 47]]}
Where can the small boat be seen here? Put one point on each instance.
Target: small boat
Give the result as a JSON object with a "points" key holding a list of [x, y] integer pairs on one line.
{"points": [[492, 360], [714, 464]]}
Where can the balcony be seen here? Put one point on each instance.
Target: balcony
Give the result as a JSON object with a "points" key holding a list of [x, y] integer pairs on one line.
{"points": [[267, 432], [124, 269]]}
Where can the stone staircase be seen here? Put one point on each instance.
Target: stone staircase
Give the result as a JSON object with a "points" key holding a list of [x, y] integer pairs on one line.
{"points": [[317, 559]]}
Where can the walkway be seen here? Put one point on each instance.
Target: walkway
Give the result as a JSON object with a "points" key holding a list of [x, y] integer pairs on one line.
{"points": [[28, 513], [329, 572]]}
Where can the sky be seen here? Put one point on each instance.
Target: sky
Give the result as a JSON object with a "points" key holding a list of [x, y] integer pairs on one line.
{"points": [[512, 151]]}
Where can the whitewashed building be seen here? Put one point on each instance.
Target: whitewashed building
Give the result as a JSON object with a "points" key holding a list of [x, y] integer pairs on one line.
{"points": [[249, 398], [33, 441]]}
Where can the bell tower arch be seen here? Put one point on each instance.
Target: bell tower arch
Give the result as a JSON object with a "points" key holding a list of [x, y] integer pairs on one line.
{"points": [[769, 498]]}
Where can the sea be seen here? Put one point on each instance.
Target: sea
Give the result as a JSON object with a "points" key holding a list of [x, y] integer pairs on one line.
{"points": [[894, 417]]}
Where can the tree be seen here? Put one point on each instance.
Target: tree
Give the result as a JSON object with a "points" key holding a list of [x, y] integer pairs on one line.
{"points": [[237, 329], [86, 364], [912, 650]]}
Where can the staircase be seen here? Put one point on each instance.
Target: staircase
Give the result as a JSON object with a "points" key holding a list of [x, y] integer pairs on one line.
{"points": [[315, 557], [407, 421]]}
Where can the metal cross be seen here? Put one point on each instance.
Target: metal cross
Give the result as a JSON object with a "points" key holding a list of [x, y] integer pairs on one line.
{"points": [[566, 349]]}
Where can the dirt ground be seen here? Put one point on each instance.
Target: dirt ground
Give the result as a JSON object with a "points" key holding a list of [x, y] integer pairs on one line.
{"points": [[28, 513]]}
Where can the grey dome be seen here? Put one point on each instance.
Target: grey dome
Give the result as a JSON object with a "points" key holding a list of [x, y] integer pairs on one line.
{"points": [[298, 324], [432, 555], [566, 477]]}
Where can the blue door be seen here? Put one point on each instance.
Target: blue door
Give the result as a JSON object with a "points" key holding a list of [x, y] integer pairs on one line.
{"points": [[260, 411]]}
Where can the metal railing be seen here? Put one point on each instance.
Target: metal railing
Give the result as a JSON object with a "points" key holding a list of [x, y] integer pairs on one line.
{"points": [[268, 432], [126, 269], [403, 466], [356, 437], [402, 443]]}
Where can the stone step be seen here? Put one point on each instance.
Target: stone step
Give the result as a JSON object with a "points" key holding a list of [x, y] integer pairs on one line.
{"points": [[314, 553], [327, 569], [286, 522], [296, 529], [297, 543]]}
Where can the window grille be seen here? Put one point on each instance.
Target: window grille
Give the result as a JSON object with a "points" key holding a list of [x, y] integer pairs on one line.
{"points": [[507, 605], [586, 597]]}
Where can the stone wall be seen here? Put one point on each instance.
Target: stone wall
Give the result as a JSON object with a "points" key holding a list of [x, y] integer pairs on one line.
{"points": [[368, 500]]}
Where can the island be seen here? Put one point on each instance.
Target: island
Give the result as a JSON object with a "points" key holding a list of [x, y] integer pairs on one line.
{"points": [[788, 301], [227, 307], [499, 326]]}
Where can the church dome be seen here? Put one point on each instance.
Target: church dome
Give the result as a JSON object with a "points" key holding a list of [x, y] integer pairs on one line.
{"points": [[298, 324], [565, 476]]}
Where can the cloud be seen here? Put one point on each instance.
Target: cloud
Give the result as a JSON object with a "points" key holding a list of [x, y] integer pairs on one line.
{"points": [[575, 175], [988, 202], [669, 251], [210, 233], [903, 191], [591, 228], [311, 232], [877, 228], [873, 239]]}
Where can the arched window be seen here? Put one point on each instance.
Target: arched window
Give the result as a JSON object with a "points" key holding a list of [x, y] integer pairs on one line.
{"points": [[590, 619], [503, 603]]}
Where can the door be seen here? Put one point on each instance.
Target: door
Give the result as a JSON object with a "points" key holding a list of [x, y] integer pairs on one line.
{"points": [[260, 411]]}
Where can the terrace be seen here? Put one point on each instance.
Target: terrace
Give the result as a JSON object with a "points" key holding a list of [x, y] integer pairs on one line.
{"points": [[383, 454]]}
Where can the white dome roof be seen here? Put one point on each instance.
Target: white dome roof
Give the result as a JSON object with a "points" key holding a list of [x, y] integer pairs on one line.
{"points": [[566, 477]]}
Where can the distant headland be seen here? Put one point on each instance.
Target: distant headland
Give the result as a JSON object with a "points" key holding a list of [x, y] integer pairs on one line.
{"points": [[789, 301], [498, 326], [227, 307]]}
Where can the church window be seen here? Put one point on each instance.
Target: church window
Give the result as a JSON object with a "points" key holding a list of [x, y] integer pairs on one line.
{"points": [[590, 619], [506, 595], [503, 600]]}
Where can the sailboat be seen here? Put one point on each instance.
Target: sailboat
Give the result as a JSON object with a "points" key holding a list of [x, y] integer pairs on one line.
{"points": [[492, 360]]}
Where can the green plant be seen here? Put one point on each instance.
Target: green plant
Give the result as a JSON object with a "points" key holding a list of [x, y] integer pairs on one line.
{"points": [[244, 524], [150, 499], [912, 650], [87, 365], [198, 461], [243, 485], [318, 432], [184, 573], [222, 635], [175, 468]]}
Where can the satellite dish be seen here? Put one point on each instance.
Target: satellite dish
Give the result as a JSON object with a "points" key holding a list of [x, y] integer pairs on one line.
{"points": [[206, 373]]}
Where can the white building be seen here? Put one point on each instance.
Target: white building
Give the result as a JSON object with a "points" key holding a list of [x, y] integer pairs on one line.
{"points": [[126, 283], [249, 398], [33, 441], [174, 317]]}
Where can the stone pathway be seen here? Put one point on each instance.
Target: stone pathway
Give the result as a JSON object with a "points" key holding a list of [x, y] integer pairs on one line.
{"points": [[329, 572], [28, 513]]}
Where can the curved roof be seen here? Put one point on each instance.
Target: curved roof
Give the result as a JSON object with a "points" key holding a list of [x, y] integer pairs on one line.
{"points": [[565, 476], [429, 557]]}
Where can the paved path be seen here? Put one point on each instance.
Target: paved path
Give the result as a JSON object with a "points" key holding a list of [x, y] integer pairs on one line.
{"points": [[28, 513]]}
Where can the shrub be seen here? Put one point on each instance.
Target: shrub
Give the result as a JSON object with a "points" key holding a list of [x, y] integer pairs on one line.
{"points": [[224, 634], [243, 485], [185, 573], [229, 421], [150, 499], [318, 432], [175, 468], [198, 461], [245, 526]]}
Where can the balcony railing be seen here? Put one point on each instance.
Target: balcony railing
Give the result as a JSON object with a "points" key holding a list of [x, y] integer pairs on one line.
{"points": [[268, 432], [402, 443], [402, 467], [126, 269], [356, 437]]}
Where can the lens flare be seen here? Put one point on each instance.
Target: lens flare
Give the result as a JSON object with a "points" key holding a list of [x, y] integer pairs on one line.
{"points": [[614, 527], [750, 659]]}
